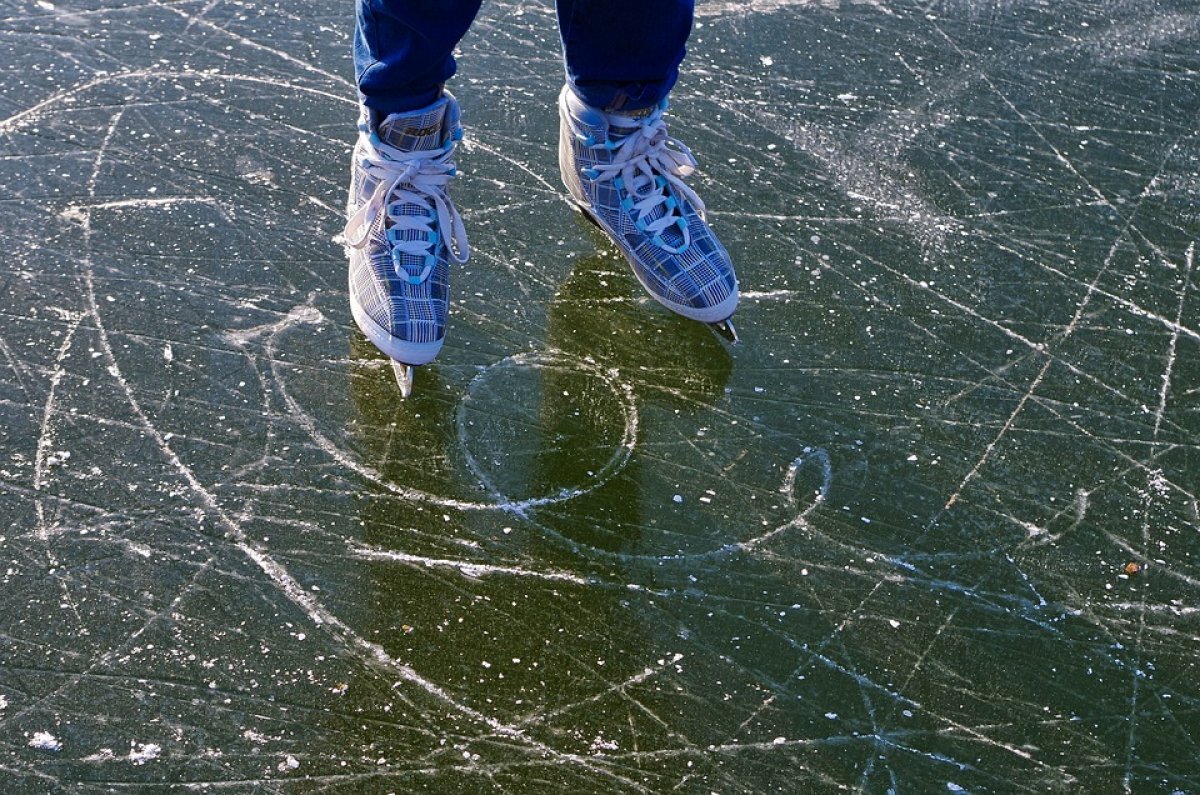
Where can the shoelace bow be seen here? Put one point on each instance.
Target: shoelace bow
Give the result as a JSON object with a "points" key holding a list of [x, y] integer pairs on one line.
{"points": [[651, 161], [419, 178]]}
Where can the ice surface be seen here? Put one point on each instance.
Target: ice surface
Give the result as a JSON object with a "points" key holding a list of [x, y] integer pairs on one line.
{"points": [[931, 527]]}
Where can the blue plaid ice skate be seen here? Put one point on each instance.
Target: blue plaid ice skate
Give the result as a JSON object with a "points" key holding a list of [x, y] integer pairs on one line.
{"points": [[403, 231], [627, 174]]}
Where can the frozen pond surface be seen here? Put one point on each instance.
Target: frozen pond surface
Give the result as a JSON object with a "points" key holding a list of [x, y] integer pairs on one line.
{"points": [[933, 526]]}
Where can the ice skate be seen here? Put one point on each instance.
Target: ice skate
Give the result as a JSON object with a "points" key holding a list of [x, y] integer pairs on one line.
{"points": [[404, 232], [627, 176]]}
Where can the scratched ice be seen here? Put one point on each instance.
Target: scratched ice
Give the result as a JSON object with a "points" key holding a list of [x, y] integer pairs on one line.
{"points": [[932, 527]]}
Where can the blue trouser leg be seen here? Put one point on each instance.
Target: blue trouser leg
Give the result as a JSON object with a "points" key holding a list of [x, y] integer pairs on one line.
{"points": [[623, 54], [403, 50], [620, 54]]}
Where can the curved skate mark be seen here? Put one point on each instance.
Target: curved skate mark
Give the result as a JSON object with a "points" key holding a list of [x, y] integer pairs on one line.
{"points": [[620, 457], [1040, 535], [788, 490], [309, 314]]}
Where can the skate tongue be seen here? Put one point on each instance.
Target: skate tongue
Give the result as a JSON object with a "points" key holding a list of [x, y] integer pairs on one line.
{"points": [[415, 132], [622, 124]]}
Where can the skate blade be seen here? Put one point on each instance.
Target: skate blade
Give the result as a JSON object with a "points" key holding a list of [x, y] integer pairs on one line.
{"points": [[726, 330], [404, 377]]}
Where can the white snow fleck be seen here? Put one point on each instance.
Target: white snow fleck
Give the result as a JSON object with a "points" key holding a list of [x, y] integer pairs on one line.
{"points": [[894, 623], [45, 741], [141, 753], [601, 744], [831, 715], [779, 741]]}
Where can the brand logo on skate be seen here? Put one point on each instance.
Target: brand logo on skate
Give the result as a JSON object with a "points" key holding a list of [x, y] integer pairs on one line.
{"points": [[421, 132]]}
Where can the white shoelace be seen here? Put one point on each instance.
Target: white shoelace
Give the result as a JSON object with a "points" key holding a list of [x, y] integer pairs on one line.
{"points": [[424, 176], [639, 158]]}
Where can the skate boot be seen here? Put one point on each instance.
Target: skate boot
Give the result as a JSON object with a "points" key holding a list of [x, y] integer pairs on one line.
{"points": [[627, 176], [403, 232]]}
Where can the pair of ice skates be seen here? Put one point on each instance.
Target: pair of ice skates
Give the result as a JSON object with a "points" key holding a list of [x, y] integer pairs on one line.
{"points": [[624, 172]]}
